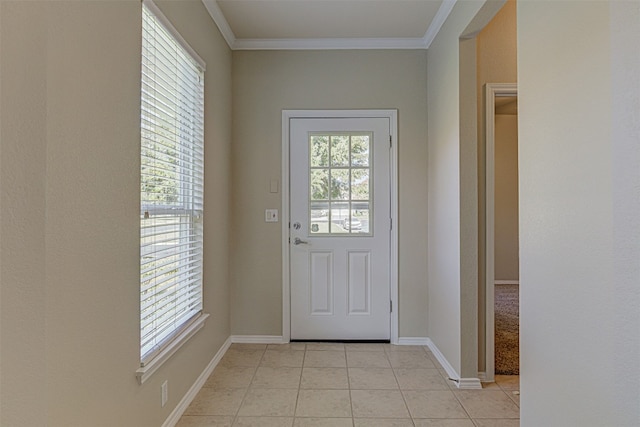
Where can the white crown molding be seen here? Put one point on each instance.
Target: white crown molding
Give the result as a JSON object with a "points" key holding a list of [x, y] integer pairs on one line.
{"points": [[218, 17], [438, 21], [330, 43]]}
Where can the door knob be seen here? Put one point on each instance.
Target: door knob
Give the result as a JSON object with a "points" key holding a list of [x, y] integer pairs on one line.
{"points": [[298, 241]]}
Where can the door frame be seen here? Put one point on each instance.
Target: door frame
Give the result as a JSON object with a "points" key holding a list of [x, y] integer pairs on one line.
{"points": [[287, 116], [492, 90]]}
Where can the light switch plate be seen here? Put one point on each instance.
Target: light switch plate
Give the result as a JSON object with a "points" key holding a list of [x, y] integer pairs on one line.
{"points": [[271, 215], [273, 186]]}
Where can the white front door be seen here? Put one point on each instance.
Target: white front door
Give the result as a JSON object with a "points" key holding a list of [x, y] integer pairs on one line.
{"points": [[340, 224]]}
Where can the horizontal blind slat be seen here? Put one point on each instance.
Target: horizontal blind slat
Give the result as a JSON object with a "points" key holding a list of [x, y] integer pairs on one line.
{"points": [[154, 310], [157, 254], [151, 276], [157, 295], [174, 301], [168, 313], [156, 285]]}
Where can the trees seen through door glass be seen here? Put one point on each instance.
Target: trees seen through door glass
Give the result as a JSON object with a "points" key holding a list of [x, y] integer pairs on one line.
{"points": [[340, 184]]}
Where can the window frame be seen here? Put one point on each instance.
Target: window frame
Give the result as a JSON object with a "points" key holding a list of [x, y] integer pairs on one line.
{"points": [[187, 180]]}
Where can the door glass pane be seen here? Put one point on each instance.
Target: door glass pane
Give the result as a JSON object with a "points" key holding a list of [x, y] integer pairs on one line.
{"points": [[339, 213], [319, 150], [319, 218], [340, 150], [340, 186], [360, 217], [319, 180], [360, 184], [360, 150]]}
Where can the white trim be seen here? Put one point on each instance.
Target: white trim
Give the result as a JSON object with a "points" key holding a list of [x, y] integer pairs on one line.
{"points": [[393, 267], [506, 282], [287, 115], [329, 43], [172, 30], [491, 90], [257, 339], [461, 383], [469, 384], [286, 284], [145, 372], [186, 400], [482, 376], [413, 341], [218, 17], [442, 360], [438, 21]]}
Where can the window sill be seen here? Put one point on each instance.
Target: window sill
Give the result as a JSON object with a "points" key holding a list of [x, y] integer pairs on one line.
{"points": [[144, 373]]}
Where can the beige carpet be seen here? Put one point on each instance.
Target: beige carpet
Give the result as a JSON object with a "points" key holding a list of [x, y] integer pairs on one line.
{"points": [[506, 325]]}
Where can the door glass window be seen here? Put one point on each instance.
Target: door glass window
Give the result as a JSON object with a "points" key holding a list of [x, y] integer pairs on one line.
{"points": [[340, 179]]}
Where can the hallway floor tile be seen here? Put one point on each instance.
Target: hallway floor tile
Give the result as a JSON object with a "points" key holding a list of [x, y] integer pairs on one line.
{"points": [[345, 385]]}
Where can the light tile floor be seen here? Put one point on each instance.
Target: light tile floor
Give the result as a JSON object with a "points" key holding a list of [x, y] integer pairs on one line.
{"points": [[350, 385]]}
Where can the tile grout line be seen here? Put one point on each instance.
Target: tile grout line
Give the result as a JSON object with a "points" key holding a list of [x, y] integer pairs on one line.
{"points": [[406, 405], [346, 365], [295, 408], [246, 392], [463, 407]]}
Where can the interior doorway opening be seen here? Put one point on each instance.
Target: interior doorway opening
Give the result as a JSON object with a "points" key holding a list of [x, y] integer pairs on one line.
{"points": [[501, 231]]}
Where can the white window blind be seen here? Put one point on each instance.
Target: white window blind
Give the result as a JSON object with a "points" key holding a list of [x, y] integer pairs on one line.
{"points": [[171, 184]]}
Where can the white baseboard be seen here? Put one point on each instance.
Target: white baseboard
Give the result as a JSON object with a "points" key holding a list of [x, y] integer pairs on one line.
{"points": [[469, 384], [184, 403], [442, 360], [257, 339], [506, 282], [413, 341], [461, 383], [482, 376]]}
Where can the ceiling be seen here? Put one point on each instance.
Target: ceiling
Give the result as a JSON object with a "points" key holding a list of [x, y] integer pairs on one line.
{"points": [[329, 24]]}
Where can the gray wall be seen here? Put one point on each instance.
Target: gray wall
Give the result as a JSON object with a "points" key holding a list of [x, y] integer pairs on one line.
{"points": [[506, 197], [265, 83], [69, 247], [579, 98], [453, 187]]}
